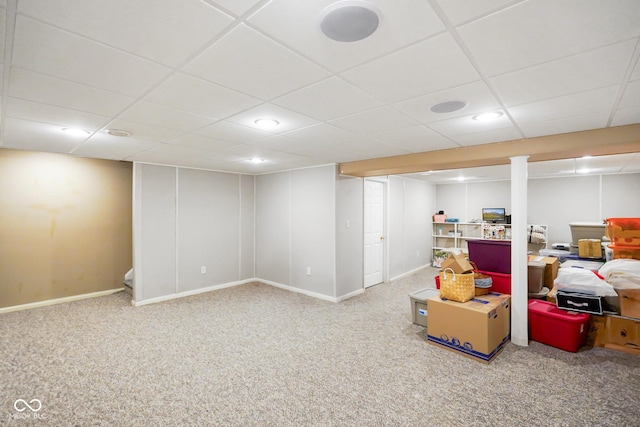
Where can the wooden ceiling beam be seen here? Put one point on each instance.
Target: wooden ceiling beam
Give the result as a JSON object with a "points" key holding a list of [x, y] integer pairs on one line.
{"points": [[597, 142]]}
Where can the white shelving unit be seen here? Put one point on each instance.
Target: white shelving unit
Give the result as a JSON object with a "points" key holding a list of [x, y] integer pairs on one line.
{"points": [[449, 236]]}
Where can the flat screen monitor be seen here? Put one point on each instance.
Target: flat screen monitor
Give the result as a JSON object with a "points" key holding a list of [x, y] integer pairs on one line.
{"points": [[494, 215]]}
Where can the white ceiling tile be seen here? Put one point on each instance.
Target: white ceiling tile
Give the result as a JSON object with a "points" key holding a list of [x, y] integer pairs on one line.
{"points": [[142, 131], [203, 142], [249, 62], [467, 125], [401, 23], [328, 99], [200, 96], [477, 96], [152, 114], [553, 167], [598, 100], [600, 67], [375, 121], [288, 120], [626, 116], [167, 154], [103, 146], [631, 97], [39, 47], [3, 19], [566, 124], [416, 139], [39, 87], [488, 136], [429, 66], [322, 133], [31, 135], [459, 11], [636, 71], [371, 149], [329, 152], [232, 132], [237, 7], [63, 117], [278, 143], [533, 32], [167, 32]]}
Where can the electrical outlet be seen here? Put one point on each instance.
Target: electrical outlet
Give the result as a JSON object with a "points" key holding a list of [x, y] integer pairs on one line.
{"points": [[308, 271], [418, 254], [203, 270], [348, 224]]}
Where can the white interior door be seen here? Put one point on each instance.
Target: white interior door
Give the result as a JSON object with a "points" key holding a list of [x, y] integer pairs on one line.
{"points": [[373, 232]]}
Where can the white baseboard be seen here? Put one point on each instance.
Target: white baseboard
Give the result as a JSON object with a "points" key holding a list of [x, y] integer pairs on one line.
{"points": [[298, 290], [409, 273], [193, 292], [349, 295], [59, 300]]}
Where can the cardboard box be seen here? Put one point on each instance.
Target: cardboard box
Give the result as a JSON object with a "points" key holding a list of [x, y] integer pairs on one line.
{"points": [[458, 263], [629, 302], [589, 248], [615, 333], [550, 269], [477, 329]]}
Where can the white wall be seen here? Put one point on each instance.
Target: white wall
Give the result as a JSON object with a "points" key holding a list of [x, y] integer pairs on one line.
{"points": [[186, 219], [154, 231], [555, 202], [296, 229], [349, 235], [411, 205]]}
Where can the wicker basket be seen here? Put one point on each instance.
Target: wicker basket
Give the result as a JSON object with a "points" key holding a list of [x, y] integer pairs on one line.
{"points": [[456, 287], [480, 280]]}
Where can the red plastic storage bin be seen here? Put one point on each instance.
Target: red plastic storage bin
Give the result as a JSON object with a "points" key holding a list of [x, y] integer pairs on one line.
{"points": [[491, 255], [630, 252], [624, 231], [500, 282], [566, 330]]}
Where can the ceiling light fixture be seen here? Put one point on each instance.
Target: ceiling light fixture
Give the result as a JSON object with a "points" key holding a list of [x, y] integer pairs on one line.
{"points": [[256, 160], [448, 107], [349, 21], [266, 123], [118, 132], [485, 117], [76, 132]]}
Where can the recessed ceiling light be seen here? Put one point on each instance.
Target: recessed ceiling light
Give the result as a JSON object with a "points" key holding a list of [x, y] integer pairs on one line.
{"points": [[586, 157], [266, 123], [76, 132], [485, 117], [349, 21], [448, 107], [256, 160], [118, 132], [461, 178], [584, 170]]}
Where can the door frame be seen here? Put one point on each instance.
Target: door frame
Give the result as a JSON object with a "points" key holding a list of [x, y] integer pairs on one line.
{"points": [[385, 227]]}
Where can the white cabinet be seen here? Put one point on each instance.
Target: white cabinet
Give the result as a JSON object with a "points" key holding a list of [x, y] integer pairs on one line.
{"points": [[448, 236]]}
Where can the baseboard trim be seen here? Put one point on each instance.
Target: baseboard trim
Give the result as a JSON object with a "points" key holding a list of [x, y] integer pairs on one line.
{"points": [[59, 300], [298, 290], [349, 295], [409, 273], [193, 292]]}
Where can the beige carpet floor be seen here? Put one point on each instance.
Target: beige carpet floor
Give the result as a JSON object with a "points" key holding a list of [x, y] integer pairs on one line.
{"points": [[254, 355]]}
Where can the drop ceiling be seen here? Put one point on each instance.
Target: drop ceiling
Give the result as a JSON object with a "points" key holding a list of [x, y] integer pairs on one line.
{"points": [[189, 78]]}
